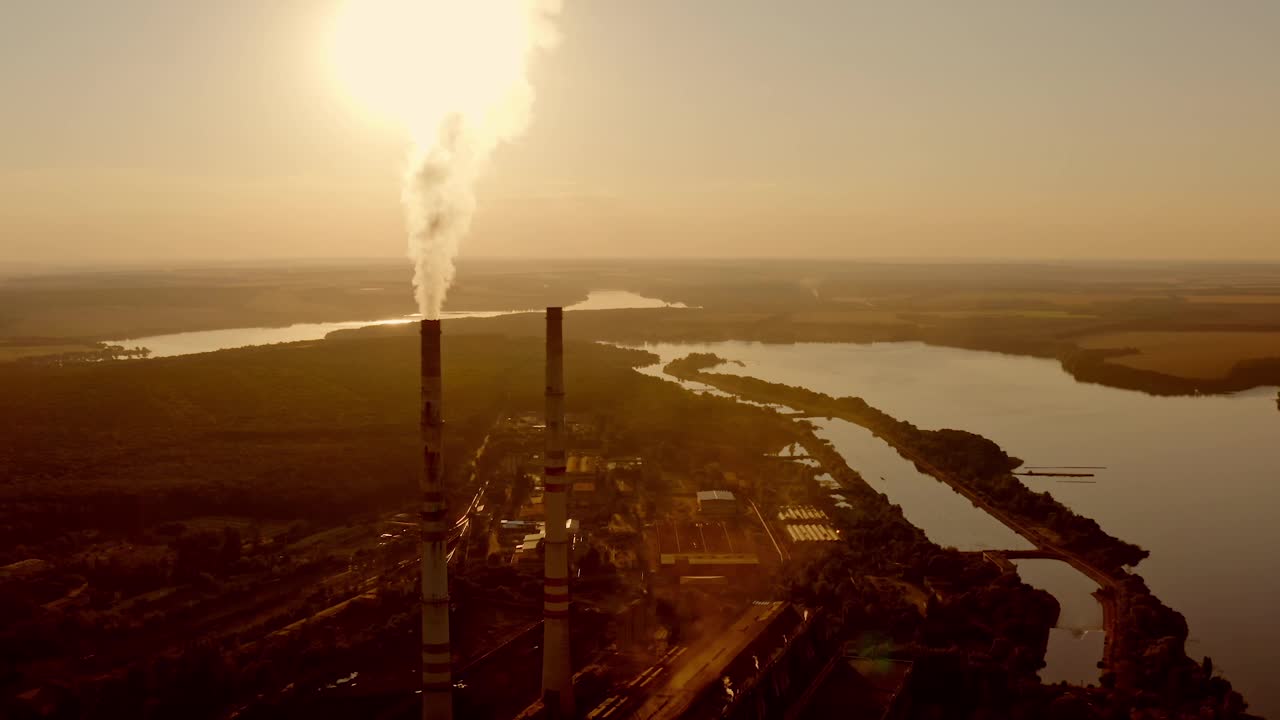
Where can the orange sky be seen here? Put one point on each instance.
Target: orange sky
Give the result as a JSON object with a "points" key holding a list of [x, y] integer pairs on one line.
{"points": [[142, 130]]}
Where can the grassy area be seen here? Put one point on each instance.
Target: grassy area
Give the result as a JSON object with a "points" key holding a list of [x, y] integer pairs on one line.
{"points": [[1209, 354]]}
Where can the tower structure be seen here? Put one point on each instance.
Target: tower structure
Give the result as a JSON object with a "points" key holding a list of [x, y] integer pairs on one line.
{"points": [[557, 673], [437, 679]]}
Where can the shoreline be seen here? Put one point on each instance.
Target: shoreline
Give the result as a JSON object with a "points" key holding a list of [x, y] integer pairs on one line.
{"points": [[1124, 596], [1084, 365], [1108, 586], [696, 325]]}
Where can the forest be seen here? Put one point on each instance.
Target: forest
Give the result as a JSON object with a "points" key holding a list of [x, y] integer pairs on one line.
{"points": [[170, 518]]}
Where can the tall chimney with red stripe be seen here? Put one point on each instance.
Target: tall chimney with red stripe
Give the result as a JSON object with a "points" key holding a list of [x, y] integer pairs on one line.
{"points": [[557, 673], [437, 680]]}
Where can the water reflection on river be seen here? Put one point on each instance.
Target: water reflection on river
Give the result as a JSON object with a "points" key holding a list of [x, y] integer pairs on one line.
{"points": [[1192, 479], [1075, 645], [188, 343], [947, 517], [951, 520]]}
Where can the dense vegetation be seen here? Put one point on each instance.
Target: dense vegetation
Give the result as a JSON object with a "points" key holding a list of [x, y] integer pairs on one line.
{"points": [[184, 509], [983, 634]]}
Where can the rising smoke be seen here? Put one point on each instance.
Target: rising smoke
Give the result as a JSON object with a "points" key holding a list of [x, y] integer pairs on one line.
{"points": [[447, 159], [439, 201]]}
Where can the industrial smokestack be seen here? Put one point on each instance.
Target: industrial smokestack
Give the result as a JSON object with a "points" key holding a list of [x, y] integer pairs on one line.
{"points": [[557, 674], [437, 680]]}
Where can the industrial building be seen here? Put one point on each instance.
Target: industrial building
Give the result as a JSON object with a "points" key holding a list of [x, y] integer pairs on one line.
{"points": [[802, 533], [527, 550], [717, 503], [806, 524], [801, 513]]}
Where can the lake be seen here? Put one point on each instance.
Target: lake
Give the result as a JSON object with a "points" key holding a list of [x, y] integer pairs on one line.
{"points": [[188, 343], [1192, 479]]}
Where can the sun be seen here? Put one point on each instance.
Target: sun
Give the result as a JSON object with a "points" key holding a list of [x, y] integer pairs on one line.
{"points": [[416, 62]]}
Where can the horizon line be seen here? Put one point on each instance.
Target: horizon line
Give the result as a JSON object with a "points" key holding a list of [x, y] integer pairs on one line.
{"points": [[45, 267]]}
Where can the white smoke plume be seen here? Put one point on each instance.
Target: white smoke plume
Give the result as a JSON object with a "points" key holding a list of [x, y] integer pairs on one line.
{"points": [[439, 201], [439, 183], [454, 73]]}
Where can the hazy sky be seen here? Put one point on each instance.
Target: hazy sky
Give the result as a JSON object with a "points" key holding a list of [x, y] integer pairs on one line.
{"points": [[171, 129]]}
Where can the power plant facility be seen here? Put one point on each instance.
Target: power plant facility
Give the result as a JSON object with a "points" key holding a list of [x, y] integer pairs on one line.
{"points": [[557, 673], [671, 567]]}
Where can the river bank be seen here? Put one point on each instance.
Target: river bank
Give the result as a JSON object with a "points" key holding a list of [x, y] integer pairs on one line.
{"points": [[1130, 366], [1145, 639], [1109, 367]]}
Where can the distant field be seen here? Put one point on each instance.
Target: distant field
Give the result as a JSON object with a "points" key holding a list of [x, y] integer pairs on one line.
{"points": [[1208, 355], [892, 317], [1236, 299], [851, 317], [9, 353], [1068, 297], [1044, 314]]}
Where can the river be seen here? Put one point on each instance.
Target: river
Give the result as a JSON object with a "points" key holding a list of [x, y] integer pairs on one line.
{"points": [[202, 341], [1075, 644], [1192, 479]]}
